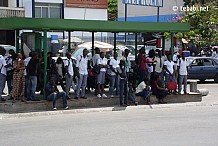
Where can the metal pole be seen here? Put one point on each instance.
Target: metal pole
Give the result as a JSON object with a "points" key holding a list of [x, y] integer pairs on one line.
{"points": [[125, 19], [115, 42], [17, 41], [163, 43], [136, 51], [172, 45], [93, 42], [158, 14], [69, 41], [45, 62]]}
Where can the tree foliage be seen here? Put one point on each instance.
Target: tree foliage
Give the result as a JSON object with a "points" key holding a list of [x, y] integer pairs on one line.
{"points": [[112, 10], [204, 24]]}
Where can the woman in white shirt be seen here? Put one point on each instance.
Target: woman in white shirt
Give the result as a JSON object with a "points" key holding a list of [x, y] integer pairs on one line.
{"points": [[102, 63]]}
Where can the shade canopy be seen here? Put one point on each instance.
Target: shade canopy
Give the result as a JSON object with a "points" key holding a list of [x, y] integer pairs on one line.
{"points": [[104, 47], [90, 25]]}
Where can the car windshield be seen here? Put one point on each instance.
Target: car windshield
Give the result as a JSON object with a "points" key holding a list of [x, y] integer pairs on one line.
{"points": [[189, 60]]}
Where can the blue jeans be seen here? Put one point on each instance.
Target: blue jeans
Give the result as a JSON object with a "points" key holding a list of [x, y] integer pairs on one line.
{"points": [[9, 83], [112, 83], [31, 88], [131, 96], [145, 94], [54, 96], [81, 83], [69, 81], [2, 83], [123, 90], [183, 79], [117, 85]]}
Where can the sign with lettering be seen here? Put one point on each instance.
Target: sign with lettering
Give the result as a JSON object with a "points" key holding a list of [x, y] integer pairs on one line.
{"points": [[94, 4], [153, 3]]}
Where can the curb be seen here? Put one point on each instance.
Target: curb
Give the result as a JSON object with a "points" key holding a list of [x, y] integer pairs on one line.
{"points": [[104, 109]]}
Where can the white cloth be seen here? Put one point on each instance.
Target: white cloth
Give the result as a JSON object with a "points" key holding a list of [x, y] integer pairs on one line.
{"points": [[59, 69], [169, 65], [95, 58], [141, 87], [68, 63], [114, 63], [182, 66], [26, 61], [102, 62], [82, 64], [2, 65], [158, 66]]}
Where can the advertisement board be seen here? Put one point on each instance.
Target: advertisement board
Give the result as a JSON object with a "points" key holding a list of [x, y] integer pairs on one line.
{"points": [[94, 4], [153, 3]]}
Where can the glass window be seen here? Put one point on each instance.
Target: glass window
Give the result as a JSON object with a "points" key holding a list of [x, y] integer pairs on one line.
{"points": [[47, 10], [3, 3], [208, 62], [197, 62]]}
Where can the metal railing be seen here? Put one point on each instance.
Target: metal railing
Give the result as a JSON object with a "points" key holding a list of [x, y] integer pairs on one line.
{"points": [[6, 12]]}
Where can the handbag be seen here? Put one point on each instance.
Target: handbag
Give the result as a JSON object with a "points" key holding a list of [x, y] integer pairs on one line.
{"points": [[171, 85]]}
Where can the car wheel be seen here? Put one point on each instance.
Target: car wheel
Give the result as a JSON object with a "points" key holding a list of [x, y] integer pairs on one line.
{"points": [[216, 78]]}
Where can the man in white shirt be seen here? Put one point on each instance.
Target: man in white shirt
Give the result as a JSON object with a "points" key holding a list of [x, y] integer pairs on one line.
{"points": [[183, 73], [68, 64], [96, 56], [82, 73], [102, 63], [3, 66], [114, 63], [169, 66]]}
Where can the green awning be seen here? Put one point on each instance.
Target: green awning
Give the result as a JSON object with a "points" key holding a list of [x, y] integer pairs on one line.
{"points": [[90, 25]]}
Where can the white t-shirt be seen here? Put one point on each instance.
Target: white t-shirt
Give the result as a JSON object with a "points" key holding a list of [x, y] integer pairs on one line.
{"points": [[95, 58], [26, 61], [2, 65], [114, 63], [170, 65], [141, 87], [182, 66], [82, 64], [102, 62], [68, 63], [159, 63]]}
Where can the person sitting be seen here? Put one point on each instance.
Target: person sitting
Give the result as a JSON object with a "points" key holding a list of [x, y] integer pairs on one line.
{"points": [[52, 94], [131, 95], [144, 90], [159, 91]]}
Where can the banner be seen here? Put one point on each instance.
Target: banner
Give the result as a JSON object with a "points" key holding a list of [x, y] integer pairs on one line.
{"points": [[94, 4], [153, 3]]}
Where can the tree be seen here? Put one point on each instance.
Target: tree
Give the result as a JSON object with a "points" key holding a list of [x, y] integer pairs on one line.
{"points": [[112, 10]]}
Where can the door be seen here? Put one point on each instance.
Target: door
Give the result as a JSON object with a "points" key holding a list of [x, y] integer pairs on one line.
{"points": [[195, 69]]}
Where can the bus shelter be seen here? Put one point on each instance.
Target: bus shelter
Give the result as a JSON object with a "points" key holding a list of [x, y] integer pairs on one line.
{"points": [[46, 25]]}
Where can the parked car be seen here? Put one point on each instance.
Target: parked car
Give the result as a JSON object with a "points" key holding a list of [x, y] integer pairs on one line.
{"points": [[203, 68], [7, 48]]}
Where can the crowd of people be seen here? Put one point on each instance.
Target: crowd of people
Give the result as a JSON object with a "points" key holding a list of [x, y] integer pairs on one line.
{"points": [[150, 74]]}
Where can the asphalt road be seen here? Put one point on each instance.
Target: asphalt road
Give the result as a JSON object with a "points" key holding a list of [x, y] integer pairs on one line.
{"points": [[179, 126]]}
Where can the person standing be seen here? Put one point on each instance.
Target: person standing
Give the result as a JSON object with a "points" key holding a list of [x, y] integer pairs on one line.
{"points": [[60, 70], [123, 83], [94, 62], [32, 69], [82, 73], [102, 63], [3, 66], [18, 79], [183, 73], [26, 61], [169, 67], [114, 63], [142, 65], [68, 64]]}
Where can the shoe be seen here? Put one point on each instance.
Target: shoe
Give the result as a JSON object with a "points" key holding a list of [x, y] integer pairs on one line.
{"points": [[68, 98], [66, 108], [104, 96], [185, 93], [76, 97], [54, 108], [136, 103], [28, 99], [83, 97], [35, 100], [2, 99], [99, 95], [112, 96]]}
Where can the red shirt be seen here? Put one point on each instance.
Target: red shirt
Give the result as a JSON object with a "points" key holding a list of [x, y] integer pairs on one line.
{"points": [[142, 61]]}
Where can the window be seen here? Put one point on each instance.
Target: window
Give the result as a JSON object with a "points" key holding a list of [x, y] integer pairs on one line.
{"points": [[3, 3], [197, 62], [208, 62], [47, 10]]}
